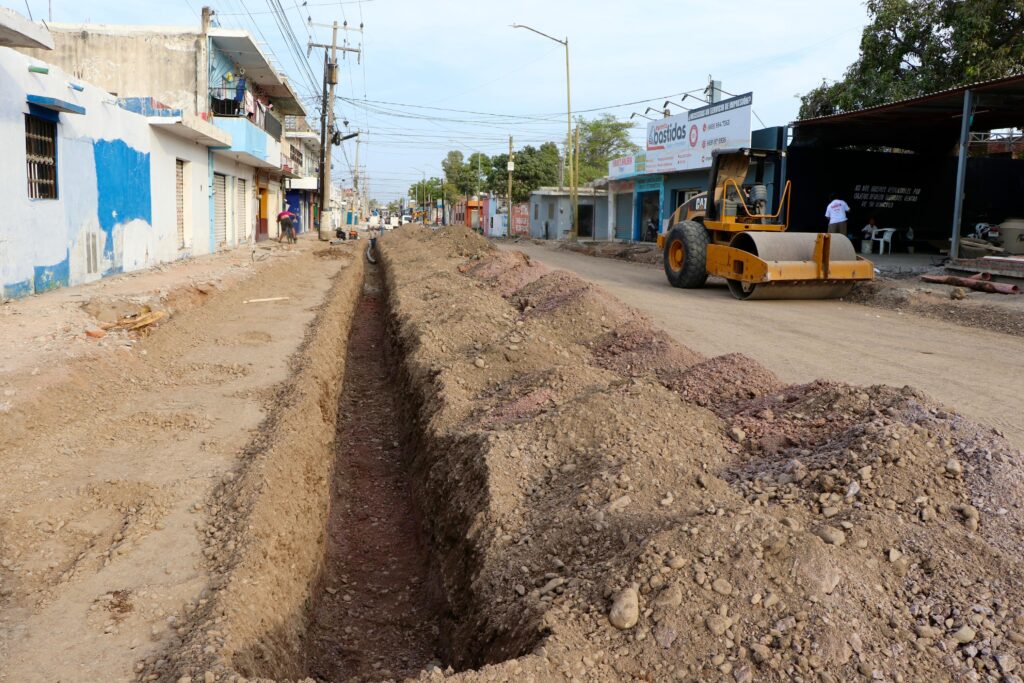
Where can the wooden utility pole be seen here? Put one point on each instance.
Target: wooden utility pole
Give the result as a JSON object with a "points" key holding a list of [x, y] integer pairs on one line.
{"points": [[511, 167]]}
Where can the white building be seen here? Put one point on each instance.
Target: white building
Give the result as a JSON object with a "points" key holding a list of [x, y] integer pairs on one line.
{"points": [[217, 74], [97, 183]]}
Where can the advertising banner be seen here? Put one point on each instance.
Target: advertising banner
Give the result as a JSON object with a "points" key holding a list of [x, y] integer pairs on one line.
{"points": [[520, 219], [685, 142]]}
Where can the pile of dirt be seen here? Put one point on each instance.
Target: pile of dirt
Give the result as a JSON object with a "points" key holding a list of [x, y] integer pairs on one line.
{"points": [[460, 240], [592, 523], [636, 349], [722, 382], [507, 271], [996, 312], [637, 253]]}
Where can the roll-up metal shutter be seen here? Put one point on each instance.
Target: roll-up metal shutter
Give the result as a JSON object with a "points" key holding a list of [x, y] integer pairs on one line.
{"points": [[179, 198], [624, 216], [241, 218], [220, 209]]}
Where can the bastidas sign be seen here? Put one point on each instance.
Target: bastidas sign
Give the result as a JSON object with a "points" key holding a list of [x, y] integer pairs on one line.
{"points": [[685, 142]]}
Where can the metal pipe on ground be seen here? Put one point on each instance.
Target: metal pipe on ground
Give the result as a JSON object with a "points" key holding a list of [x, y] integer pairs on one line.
{"points": [[980, 283]]}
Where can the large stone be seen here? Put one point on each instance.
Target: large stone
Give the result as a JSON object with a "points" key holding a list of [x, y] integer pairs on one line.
{"points": [[830, 535], [963, 635], [625, 609], [717, 624], [671, 596]]}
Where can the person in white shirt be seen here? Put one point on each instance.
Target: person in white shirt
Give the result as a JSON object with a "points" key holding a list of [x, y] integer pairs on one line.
{"points": [[836, 212]]}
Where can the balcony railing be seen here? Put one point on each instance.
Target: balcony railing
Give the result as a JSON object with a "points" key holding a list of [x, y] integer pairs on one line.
{"points": [[232, 102]]}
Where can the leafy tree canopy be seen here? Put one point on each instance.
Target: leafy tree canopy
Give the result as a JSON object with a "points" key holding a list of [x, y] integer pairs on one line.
{"points": [[912, 47], [601, 140]]}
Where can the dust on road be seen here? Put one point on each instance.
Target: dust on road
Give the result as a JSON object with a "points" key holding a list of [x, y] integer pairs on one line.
{"points": [[974, 371]]}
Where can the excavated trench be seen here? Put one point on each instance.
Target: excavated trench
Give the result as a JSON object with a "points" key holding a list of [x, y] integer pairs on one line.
{"points": [[342, 549], [377, 610], [395, 594]]}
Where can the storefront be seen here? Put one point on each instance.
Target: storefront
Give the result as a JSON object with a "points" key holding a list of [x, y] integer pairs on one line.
{"points": [[646, 188]]}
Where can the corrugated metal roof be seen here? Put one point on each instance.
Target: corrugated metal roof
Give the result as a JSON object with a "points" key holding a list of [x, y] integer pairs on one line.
{"points": [[958, 90]]}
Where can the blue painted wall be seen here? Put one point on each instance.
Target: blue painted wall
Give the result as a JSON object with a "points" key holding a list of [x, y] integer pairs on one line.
{"points": [[122, 188], [53, 276], [294, 199], [245, 136]]}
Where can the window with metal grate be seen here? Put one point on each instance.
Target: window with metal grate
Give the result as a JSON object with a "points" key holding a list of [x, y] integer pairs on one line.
{"points": [[41, 157]]}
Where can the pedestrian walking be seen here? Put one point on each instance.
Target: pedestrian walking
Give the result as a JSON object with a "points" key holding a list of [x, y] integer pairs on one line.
{"points": [[836, 213]]}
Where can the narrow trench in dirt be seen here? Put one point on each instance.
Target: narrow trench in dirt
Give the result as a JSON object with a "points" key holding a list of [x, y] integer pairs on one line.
{"points": [[375, 615]]}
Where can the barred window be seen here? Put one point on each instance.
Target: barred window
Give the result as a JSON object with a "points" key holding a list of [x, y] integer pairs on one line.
{"points": [[41, 156]]}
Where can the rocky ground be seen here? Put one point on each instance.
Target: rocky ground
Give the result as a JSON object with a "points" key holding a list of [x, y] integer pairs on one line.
{"points": [[112, 445], [693, 520], [463, 465]]}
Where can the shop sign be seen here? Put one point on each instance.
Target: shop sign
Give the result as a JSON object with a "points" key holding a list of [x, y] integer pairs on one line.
{"points": [[685, 142]]}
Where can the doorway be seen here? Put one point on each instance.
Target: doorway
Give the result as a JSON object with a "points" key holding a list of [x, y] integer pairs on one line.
{"points": [[586, 219], [648, 214], [263, 227]]}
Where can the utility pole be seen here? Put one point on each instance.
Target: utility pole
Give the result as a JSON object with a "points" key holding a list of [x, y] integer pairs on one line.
{"points": [[355, 184], [325, 171], [327, 115], [568, 117], [511, 167], [572, 176], [576, 178]]}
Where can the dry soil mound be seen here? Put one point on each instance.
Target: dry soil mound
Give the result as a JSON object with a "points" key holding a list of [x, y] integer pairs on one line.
{"points": [[720, 382], [614, 529]]}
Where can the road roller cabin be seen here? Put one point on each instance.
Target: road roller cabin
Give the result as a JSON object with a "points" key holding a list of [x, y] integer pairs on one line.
{"points": [[734, 238]]}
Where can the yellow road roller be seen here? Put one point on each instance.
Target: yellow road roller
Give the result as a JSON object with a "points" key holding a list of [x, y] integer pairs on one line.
{"points": [[726, 231]]}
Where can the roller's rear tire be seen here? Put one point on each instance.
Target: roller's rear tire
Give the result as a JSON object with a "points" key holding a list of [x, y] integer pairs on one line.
{"points": [[686, 253]]}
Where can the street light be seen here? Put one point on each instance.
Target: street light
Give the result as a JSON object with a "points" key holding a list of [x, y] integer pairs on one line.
{"points": [[568, 138]]}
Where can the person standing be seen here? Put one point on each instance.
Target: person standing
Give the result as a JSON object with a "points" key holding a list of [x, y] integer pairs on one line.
{"points": [[285, 224], [836, 213]]}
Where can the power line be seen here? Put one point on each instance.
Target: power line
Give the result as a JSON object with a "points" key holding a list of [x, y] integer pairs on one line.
{"points": [[312, 4]]}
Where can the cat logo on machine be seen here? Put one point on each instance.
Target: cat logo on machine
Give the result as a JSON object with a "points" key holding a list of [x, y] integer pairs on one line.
{"points": [[693, 135]]}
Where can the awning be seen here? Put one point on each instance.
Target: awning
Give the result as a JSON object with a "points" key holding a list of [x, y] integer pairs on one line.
{"points": [[53, 104], [245, 53], [193, 128], [17, 31]]}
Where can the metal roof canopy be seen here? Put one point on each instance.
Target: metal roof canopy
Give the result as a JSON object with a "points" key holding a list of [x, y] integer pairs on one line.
{"points": [[930, 122], [240, 46]]}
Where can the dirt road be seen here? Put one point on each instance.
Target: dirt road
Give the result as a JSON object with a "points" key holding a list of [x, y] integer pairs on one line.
{"points": [[108, 468], [975, 371]]}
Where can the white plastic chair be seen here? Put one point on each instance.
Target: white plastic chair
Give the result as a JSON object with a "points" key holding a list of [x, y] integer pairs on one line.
{"points": [[884, 238]]}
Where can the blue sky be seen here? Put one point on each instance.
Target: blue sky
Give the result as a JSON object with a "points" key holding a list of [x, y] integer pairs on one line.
{"points": [[458, 54]]}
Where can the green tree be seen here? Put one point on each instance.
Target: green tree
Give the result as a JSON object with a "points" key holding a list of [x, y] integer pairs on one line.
{"points": [[461, 173], [426, 191], [477, 166], [601, 140], [912, 47], [534, 167]]}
